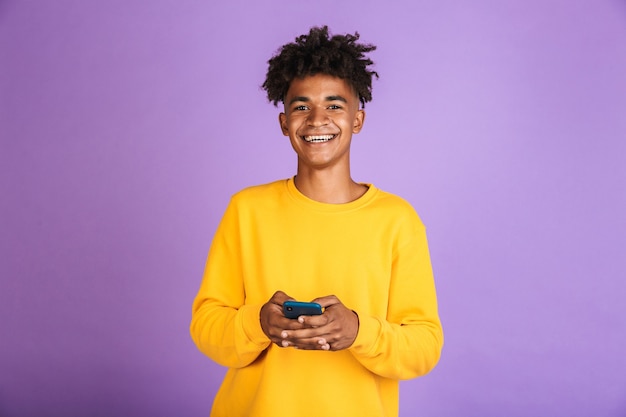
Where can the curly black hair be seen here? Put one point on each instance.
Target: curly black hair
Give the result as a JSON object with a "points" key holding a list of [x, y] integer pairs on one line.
{"points": [[340, 56]]}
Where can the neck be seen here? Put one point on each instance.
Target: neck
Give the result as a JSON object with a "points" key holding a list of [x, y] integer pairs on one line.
{"points": [[328, 187]]}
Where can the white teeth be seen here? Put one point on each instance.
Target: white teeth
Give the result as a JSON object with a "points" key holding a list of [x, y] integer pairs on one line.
{"points": [[318, 138]]}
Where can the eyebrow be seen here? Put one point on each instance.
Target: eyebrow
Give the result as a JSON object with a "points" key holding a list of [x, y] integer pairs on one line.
{"points": [[306, 99]]}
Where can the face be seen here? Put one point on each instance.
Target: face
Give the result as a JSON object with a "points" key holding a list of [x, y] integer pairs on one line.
{"points": [[321, 115]]}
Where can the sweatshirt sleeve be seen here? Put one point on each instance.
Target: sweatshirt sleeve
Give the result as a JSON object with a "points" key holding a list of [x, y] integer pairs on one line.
{"points": [[222, 327], [408, 342]]}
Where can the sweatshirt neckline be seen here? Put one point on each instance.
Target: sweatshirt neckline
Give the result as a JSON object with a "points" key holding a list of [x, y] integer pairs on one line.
{"points": [[303, 200]]}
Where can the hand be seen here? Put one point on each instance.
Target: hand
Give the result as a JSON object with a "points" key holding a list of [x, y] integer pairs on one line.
{"points": [[274, 322], [335, 329]]}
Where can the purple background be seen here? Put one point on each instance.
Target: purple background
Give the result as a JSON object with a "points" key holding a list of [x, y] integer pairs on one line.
{"points": [[126, 125]]}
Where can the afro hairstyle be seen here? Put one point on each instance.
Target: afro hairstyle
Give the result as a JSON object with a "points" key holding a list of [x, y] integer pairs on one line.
{"points": [[319, 53]]}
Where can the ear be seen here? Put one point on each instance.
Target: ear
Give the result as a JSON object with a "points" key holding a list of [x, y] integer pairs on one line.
{"points": [[359, 119], [282, 120]]}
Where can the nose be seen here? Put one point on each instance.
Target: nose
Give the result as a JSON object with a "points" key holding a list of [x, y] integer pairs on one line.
{"points": [[317, 117]]}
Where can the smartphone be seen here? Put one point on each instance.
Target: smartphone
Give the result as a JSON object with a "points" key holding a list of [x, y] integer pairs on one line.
{"points": [[294, 309]]}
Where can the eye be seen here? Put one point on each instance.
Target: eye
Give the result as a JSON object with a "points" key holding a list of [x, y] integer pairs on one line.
{"points": [[300, 108], [334, 107]]}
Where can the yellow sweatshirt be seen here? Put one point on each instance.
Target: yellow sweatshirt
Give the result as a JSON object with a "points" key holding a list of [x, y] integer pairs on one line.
{"points": [[371, 253]]}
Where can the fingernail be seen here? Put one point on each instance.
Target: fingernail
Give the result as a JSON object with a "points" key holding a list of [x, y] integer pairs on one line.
{"points": [[284, 335]]}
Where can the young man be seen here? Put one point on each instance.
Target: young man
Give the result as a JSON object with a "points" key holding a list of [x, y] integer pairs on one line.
{"points": [[359, 252]]}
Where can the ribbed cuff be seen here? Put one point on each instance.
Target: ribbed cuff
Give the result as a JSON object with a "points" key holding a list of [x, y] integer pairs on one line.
{"points": [[369, 331], [251, 324]]}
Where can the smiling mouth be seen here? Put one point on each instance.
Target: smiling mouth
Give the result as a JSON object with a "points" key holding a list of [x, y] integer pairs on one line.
{"points": [[318, 138]]}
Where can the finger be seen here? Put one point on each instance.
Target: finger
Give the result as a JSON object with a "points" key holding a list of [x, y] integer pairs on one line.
{"points": [[314, 321], [324, 345], [327, 301], [280, 297], [303, 340], [273, 322], [338, 327], [307, 344]]}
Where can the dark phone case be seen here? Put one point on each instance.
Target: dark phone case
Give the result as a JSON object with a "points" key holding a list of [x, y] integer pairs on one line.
{"points": [[294, 309]]}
